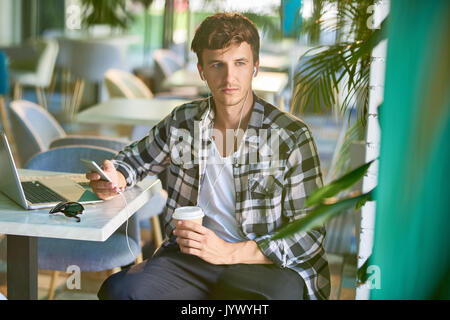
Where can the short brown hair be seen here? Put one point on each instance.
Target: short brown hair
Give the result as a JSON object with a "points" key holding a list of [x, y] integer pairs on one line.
{"points": [[221, 30]]}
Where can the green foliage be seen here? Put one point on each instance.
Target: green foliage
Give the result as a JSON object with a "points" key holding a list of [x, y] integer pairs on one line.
{"points": [[145, 3], [267, 25], [362, 272], [320, 215], [110, 12], [346, 62], [343, 66], [332, 189]]}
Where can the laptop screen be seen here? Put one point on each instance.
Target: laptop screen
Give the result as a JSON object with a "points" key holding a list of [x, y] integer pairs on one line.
{"points": [[9, 178], [46, 191]]}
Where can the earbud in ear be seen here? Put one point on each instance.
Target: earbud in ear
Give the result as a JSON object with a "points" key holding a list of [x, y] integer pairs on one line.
{"points": [[254, 72], [202, 76]]}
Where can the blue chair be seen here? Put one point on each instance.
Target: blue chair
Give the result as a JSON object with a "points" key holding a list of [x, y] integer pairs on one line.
{"points": [[4, 84], [67, 158], [4, 89], [90, 256], [89, 62], [36, 130]]}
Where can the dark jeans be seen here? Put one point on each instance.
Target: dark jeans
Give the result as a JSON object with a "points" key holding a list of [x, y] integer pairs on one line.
{"points": [[173, 275]]}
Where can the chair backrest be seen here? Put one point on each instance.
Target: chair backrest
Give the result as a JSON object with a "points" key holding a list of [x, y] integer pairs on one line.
{"points": [[90, 60], [66, 48], [46, 61], [122, 84], [33, 128], [4, 84], [67, 159], [167, 61], [117, 144]]}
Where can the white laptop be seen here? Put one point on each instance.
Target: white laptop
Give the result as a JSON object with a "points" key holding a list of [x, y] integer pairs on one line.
{"points": [[39, 192]]}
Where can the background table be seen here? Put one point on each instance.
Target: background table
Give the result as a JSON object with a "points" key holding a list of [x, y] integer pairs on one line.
{"points": [[23, 227], [129, 111], [273, 62]]}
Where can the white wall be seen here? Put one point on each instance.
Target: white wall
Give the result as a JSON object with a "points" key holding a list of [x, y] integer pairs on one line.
{"points": [[376, 94], [10, 22]]}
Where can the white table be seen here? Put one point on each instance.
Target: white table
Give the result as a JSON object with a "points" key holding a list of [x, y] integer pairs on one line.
{"points": [[273, 62], [270, 82], [129, 111], [23, 227]]}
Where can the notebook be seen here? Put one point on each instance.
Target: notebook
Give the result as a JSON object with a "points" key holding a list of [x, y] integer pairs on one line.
{"points": [[41, 191]]}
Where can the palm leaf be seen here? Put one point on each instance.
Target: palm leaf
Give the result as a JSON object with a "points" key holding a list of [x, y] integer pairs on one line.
{"points": [[343, 61], [333, 188], [320, 215], [362, 272], [317, 78]]}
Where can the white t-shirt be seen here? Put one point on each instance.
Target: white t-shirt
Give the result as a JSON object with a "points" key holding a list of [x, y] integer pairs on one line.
{"points": [[217, 197]]}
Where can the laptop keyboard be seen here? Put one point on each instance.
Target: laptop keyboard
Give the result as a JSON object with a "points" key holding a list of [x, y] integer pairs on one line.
{"points": [[36, 192]]}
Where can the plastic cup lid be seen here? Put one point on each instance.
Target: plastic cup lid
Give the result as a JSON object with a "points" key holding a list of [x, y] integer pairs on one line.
{"points": [[188, 213]]}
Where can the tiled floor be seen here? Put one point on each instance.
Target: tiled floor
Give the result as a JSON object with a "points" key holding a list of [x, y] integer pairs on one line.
{"points": [[89, 285]]}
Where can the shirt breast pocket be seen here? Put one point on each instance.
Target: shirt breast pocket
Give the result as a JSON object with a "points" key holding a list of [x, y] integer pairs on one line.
{"points": [[264, 187], [264, 195], [182, 165], [182, 152]]}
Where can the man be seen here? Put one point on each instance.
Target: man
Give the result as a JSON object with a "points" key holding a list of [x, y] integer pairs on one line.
{"points": [[218, 160]]}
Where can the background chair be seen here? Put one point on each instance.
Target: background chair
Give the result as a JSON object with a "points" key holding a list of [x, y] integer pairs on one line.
{"points": [[36, 130], [67, 158], [122, 84], [62, 65], [58, 254], [4, 89], [89, 63], [39, 73], [168, 62]]}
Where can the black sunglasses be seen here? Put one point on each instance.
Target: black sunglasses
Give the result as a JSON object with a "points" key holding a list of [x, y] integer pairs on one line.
{"points": [[70, 209]]}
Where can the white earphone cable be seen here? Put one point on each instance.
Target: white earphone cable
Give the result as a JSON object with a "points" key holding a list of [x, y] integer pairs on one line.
{"points": [[235, 140], [126, 226]]}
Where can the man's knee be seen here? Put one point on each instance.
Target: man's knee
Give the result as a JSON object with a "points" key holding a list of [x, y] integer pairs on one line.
{"points": [[155, 278], [256, 282], [115, 288]]}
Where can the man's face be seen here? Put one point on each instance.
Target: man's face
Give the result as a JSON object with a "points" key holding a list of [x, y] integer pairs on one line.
{"points": [[228, 72]]}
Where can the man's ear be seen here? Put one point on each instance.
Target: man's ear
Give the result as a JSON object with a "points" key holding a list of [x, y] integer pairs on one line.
{"points": [[256, 68], [200, 71]]}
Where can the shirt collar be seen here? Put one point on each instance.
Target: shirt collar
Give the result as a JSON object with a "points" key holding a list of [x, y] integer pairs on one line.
{"points": [[207, 113]]}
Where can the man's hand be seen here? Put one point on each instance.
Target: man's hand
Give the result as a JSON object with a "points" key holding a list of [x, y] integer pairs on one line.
{"points": [[205, 244], [202, 242], [104, 189]]}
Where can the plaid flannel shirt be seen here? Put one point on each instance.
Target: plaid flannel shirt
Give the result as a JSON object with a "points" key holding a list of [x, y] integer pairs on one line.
{"points": [[277, 168]]}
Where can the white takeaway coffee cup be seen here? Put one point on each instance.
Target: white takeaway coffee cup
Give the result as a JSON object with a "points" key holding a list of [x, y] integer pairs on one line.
{"points": [[191, 213]]}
